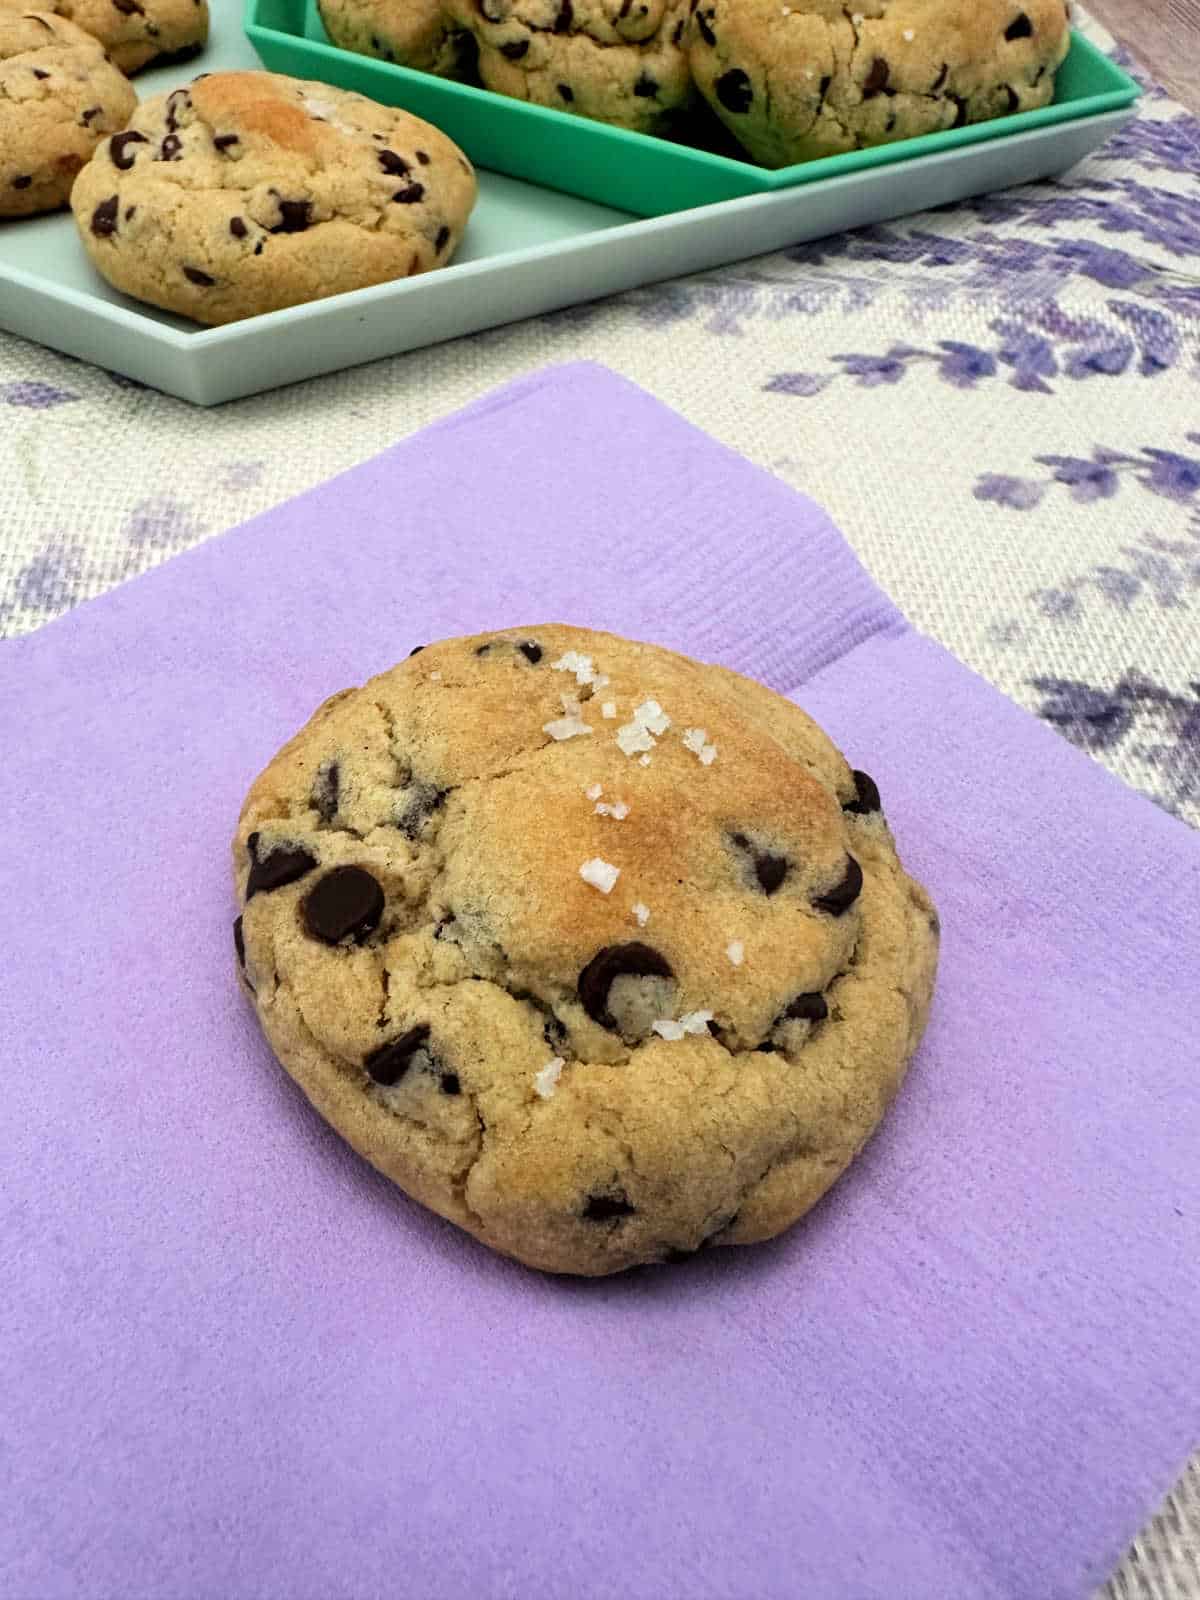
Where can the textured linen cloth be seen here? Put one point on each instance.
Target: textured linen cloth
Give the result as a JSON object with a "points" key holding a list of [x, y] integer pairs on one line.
{"points": [[239, 1363]]}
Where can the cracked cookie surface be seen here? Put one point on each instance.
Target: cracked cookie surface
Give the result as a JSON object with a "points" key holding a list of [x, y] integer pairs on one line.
{"points": [[796, 81], [618, 61], [59, 97], [599, 952], [136, 32], [249, 191]]}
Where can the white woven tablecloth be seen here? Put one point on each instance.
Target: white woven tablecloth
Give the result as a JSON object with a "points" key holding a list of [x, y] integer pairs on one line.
{"points": [[999, 404]]}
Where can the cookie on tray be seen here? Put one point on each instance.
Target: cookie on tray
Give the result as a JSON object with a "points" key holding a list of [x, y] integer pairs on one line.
{"points": [[599, 952], [59, 97], [412, 33], [250, 191], [618, 61], [136, 33], [797, 79]]}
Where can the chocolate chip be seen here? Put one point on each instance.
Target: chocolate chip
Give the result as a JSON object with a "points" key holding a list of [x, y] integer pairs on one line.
{"points": [[421, 800], [702, 22], [225, 141], [390, 1062], [626, 6], [424, 159], [202, 280], [531, 650], [239, 943], [961, 111], [770, 870], [130, 213], [416, 649], [238, 228], [170, 148], [866, 795], [86, 116], [673, 1255], [442, 240], [104, 218], [889, 126], [565, 17], [346, 903], [606, 1207], [823, 89], [283, 865], [395, 166], [128, 8], [119, 144], [294, 216], [806, 1008], [22, 182], [409, 195], [450, 1083], [1039, 74], [258, 248], [566, 92], [1014, 99], [176, 58], [734, 91], [446, 922], [39, 74], [515, 49], [175, 99], [877, 79], [940, 81], [376, 43], [615, 961], [677, 34], [1020, 28], [843, 895], [646, 87], [325, 790]]}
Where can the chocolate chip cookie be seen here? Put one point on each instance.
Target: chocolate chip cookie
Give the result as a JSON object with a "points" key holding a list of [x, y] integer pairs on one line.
{"points": [[602, 954], [250, 191], [59, 96], [794, 81], [412, 33], [137, 32], [617, 61]]}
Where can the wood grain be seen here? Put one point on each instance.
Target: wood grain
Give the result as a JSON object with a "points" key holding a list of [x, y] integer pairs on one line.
{"points": [[1165, 37]]}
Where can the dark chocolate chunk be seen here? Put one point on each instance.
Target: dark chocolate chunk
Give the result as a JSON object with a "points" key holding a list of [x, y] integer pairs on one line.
{"points": [[395, 166], [734, 91], [283, 865], [866, 795], [410, 194], [939, 82], [225, 141], [626, 7], [128, 8], [130, 213], [175, 99], [450, 1083], [118, 146], [424, 159], [238, 228], [1019, 28], [442, 240], [447, 921], [843, 895], [890, 125], [1014, 99], [258, 248], [86, 116], [515, 49], [677, 34], [294, 216], [607, 1207], [202, 280], [806, 1008], [325, 790], [421, 800], [170, 148], [823, 89], [703, 18], [239, 943], [346, 903], [176, 58], [376, 43], [22, 182], [104, 218], [37, 71], [770, 870], [565, 17], [876, 80], [633, 960], [416, 649], [566, 91], [960, 116], [390, 1062], [1039, 74], [531, 650], [646, 87]]}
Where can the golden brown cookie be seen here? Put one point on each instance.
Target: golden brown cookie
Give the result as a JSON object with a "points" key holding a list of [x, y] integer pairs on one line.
{"points": [[412, 33], [136, 32], [59, 96], [601, 953], [249, 191], [793, 80]]}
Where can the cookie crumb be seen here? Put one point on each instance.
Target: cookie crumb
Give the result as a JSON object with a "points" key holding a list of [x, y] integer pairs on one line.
{"points": [[565, 727], [608, 710], [641, 914], [544, 1081], [600, 874], [594, 791], [736, 951]]}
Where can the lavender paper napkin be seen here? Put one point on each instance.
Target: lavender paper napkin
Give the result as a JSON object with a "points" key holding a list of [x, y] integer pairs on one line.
{"points": [[234, 1362]]}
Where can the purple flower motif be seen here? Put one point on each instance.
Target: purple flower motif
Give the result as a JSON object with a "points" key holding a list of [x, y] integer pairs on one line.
{"points": [[161, 523], [35, 396], [1155, 333], [1106, 360], [871, 371], [964, 364], [1058, 604], [1019, 494], [804, 384], [1115, 269], [1173, 476], [1030, 356], [1088, 480]]}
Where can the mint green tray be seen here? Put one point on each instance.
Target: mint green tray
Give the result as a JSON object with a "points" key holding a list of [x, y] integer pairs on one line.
{"points": [[630, 171]]}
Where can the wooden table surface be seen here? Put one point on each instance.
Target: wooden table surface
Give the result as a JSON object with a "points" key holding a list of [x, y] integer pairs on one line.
{"points": [[1164, 35]]}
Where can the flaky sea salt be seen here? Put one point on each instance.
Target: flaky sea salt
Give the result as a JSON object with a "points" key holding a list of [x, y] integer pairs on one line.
{"points": [[908, 35], [667, 1029], [695, 1021], [643, 761], [580, 665], [435, 677], [565, 727], [857, 19], [632, 737], [571, 705], [608, 710], [618, 810], [708, 755], [600, 874], [593, 791], [544, 1082], [736, 951], [696, 740], [641, 914], [652, 716]]}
